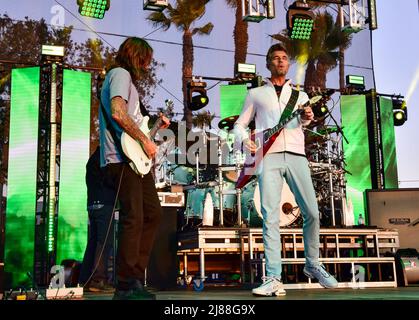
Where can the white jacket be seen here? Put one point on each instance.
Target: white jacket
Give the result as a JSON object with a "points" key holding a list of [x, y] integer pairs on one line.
{"points": [[262, 103]]}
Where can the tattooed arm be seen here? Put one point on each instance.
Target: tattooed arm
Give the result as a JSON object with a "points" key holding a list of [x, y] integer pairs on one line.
{"points": [[120, 115]]}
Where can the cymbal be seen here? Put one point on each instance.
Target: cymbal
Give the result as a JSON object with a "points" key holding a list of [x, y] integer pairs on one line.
{"points": [[228, 123], [329, 130]]}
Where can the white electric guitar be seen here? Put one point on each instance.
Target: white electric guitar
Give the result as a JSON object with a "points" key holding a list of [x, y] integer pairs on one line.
{"points": [[133, 149]]}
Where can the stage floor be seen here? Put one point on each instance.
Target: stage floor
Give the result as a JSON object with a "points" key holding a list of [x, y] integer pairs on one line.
{"points": [[403, 293]]}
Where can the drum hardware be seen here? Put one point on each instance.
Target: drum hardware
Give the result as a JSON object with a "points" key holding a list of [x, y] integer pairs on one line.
{"points": [[197, 166]]}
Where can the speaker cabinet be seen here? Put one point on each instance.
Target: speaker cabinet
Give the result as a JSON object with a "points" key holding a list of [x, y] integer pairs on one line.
{"points": [[396, 209], [162, 269]]}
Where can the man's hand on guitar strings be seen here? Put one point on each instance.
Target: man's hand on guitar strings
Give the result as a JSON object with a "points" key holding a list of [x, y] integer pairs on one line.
{"points": [[250, 145], [150, 148]]}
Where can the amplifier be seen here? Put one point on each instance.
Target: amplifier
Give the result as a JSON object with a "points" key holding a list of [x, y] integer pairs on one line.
{"points": [[172, 199], [396, 209]]}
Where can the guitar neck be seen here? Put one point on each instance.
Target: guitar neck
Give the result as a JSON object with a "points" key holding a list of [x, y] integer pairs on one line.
{"points": [[158, 123], [155, 128], [274, 130]]}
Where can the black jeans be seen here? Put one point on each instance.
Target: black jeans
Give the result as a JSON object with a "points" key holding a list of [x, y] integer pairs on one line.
{"points": [[99, 220], [139, 218]]}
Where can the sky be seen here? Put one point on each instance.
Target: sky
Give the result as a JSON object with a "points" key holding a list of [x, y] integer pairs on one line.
{"points": [[395, 53]]}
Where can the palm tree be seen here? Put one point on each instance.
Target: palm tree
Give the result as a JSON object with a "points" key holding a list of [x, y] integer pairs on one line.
{"points": [[184, 16], [322, 52], [240, 34]]}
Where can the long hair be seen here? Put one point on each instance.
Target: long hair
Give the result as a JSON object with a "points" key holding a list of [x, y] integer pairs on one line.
{"points": [[135, 55]]}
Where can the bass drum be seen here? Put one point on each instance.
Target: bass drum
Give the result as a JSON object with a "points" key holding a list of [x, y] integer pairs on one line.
{"points": [[289, 212]]}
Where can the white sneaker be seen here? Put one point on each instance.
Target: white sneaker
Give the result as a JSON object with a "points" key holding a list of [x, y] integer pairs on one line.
{"points": [[270, 286]]}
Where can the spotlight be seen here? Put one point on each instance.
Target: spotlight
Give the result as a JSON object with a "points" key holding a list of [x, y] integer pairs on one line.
{"points": [[155, 5], [372, 14], [246, 68], [399, 111], [356, 82], [257, 10], [52, 53], [93, 8], [300, 21], [245, 71], [320, 111], [197, 94]]}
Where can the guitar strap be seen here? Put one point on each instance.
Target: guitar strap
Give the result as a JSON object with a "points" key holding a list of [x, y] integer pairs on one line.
{"points": [[290, 105]]}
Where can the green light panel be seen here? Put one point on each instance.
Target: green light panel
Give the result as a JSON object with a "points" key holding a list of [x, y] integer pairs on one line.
{"points": [[389, 143], [75, 138], [22, 170], [357, 154], [231, 99], [302, 28], [93, 8]]}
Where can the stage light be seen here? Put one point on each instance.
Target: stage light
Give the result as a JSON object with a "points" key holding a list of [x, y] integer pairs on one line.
{"points": [[320, 111], [245, 72], [399, 111], [53, 50], [52, 53], [257, 10], [246, 68], [300, 21], [155, 5], [354, 81], [372, 14], [197, 95], [93, 8]]}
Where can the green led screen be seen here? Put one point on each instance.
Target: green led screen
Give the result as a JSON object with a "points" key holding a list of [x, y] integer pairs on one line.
{"points": [[75, 138], [232, 99], [22, 170], [357, 154], [388, 143]]}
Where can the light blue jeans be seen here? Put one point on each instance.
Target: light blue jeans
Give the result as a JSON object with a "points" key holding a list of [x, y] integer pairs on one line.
{"points": [[295, 170]]}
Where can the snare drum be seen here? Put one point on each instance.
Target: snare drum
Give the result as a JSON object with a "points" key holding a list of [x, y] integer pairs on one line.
{"points": [[251, 206]]}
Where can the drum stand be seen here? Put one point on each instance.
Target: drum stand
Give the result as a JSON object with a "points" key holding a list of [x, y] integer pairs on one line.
{"points": [[220, 183], [331, 193], [239, 196], [221, 192]]}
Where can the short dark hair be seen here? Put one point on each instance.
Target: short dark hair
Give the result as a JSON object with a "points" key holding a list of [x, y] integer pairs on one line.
{"points": [[272, 49], [134, 55]]}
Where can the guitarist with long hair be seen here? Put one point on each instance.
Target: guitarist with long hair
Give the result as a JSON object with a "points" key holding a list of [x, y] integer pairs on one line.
{"points": [[284, 160], [140, 208]]}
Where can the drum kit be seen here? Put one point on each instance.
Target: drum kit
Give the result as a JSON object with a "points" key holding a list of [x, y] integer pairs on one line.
{"points": [[327, 165], [213, 165]]}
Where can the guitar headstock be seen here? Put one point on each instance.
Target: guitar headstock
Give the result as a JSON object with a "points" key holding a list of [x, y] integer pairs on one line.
{"points": [[168, 110], [320, 97]]}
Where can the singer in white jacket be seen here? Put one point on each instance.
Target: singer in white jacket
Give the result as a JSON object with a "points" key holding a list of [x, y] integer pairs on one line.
{"points": [[284, 160]]}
